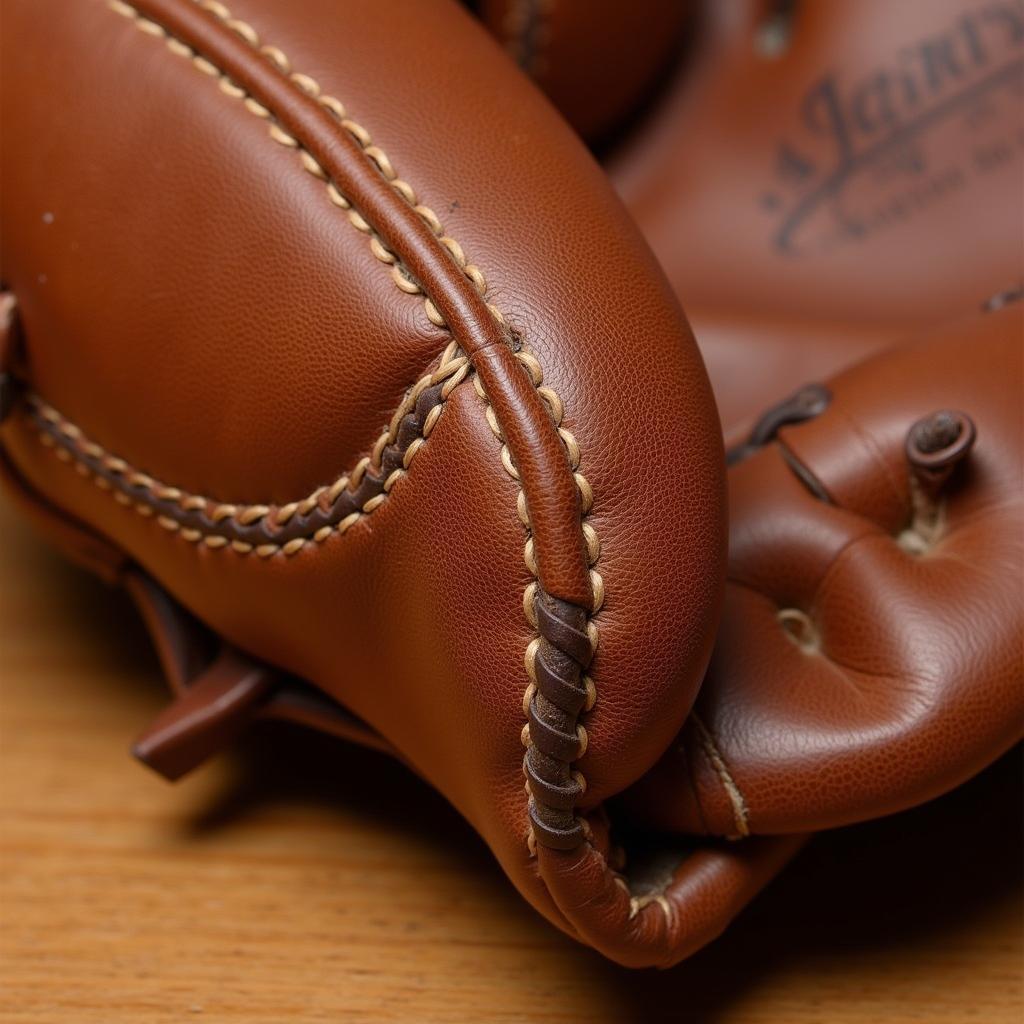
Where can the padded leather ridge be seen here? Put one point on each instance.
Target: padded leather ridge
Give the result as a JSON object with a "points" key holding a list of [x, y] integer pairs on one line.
{"points": [[228, 48], [537, 455]]}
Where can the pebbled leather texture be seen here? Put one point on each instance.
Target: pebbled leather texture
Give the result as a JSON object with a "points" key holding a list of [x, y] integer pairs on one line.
{"points": [[870, 654], [227, 287], [822, 183]]}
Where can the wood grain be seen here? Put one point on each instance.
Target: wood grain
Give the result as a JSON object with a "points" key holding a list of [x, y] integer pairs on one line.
{"points": [[299, 880]]}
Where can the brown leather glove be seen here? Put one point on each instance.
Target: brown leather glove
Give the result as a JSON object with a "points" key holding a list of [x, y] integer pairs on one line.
{"points": [[870, 653], [336, 624], [371, 373]]}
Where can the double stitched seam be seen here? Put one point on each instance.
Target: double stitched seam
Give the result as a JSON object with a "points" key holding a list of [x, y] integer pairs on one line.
{"points": [[557, 659], [264, 529], [276, 57], [732, 790]]}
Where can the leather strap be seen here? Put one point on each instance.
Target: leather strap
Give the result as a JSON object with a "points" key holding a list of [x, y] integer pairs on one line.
{"points": [[211, 712]]}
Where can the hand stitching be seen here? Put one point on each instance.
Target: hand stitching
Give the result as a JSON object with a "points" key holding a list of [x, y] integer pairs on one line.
{"points": [[736, 800]]}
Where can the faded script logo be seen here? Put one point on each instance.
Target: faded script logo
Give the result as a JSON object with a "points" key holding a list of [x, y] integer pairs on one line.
{"points": [[880, 149]]}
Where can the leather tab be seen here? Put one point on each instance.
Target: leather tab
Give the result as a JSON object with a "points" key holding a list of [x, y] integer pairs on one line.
{"points": [[186, 649], [810, 401], [207, 716]]}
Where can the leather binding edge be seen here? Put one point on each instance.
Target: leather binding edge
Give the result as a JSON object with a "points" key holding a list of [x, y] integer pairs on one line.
{"points": [[263, 529]]}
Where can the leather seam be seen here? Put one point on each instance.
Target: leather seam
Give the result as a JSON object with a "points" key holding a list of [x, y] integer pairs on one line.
{"points": [[737, 802], [264, 529], [690, 775], [308, 85], [533, 590]]}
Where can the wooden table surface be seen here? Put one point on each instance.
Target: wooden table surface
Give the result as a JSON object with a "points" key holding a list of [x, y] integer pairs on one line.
{"points": [[297, 879]]}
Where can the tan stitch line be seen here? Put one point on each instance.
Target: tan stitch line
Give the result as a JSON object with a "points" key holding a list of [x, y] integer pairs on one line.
{"points": [[452, 370], [278, 59], [557, 409], [739, 804], [401, 277]]}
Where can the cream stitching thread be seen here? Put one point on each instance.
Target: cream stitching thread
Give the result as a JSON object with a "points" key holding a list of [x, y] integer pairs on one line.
{"points": [[557, 409], [637, 903], [739, 805], [400, 276], [451, 372], [403, 280]]}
